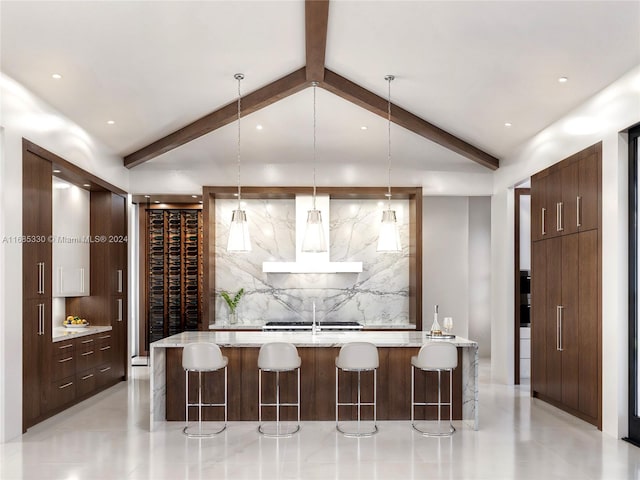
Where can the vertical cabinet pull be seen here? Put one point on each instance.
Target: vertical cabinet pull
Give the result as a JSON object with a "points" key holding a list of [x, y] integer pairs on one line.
{"points": [[559, 328], [578, 211], [559, 226], [119, 281], [543, 231], [41, 319], [119, 319], [41, 278]]}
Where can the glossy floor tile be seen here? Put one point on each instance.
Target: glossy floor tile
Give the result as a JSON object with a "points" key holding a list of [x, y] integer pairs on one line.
{"points": [[107, 437]]}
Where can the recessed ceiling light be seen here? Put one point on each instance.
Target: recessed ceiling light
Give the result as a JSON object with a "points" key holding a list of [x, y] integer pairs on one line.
{"points": [[507, 124], [258, 127], [86, 184], [56, 76], [111, 122], [55, 170], [147, 196], [563, 80], [364, 127], [194, 196]]}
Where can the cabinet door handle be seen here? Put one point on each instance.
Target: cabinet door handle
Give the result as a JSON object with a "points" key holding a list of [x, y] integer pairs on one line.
{"points": [[559, 327], [90, 352], [119, 281], [106, 336], [87, 341], [105, 348], [559, 226], [119, 319], [102, 370], [544, 219], [65, 359], [87, 377], [41, 278], [578, 211], [65, 346], [41, 319], [65, 385]]}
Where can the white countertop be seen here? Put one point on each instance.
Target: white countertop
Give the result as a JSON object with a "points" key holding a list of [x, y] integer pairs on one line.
{"points": [[245, 326], [305, 339], [63, 333]]}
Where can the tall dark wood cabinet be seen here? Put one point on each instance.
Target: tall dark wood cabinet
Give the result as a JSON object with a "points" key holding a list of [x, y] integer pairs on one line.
{"points": [[36, 287], [109, 273], [566, 285]]}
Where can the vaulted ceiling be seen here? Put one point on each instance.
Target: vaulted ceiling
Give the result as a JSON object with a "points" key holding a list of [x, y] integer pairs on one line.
{"points": [[463, 70]]}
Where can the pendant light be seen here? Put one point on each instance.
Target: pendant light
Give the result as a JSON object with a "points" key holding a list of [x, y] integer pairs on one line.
{"points": [[389, 239], [239, 240], [313, 240]]}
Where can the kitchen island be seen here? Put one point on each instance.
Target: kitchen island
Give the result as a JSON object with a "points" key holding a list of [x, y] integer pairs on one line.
{"points": [[318, 352]]}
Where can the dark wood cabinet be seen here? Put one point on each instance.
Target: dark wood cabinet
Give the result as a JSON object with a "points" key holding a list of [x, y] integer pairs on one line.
{"points": [[36, 286], [565, 286], [56, 375]]}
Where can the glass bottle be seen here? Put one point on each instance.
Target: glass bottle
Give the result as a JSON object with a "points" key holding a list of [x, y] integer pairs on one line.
{"points": [[435, 326]]}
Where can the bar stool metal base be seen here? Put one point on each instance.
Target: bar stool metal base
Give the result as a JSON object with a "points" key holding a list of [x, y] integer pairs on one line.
{"points": [[358, 432], [430, 433], [277, 429], [190, 431]]}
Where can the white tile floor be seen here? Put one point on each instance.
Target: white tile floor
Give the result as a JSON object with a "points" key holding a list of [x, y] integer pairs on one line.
{"points": [[107, 437]]}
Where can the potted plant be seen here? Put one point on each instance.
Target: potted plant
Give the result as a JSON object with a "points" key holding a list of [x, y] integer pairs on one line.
{"points": [[233, 304]]}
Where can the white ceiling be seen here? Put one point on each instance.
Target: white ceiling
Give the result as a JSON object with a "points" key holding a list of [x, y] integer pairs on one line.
{"points": [[467, 67]]}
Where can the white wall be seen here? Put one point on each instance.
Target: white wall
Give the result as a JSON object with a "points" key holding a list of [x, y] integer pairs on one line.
{"points": [[456, 265], [25, 115], [480, 273], [601, 118], [445, 250]]}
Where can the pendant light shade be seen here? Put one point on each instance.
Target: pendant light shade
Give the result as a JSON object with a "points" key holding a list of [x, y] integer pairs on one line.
{"points": [[389, 237], [239, 240], [313, 240]]}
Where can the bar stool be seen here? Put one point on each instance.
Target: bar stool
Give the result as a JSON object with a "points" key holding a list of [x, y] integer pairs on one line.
{"points": [[202, 357], [278, 357], [357, 357], [435, 357]]}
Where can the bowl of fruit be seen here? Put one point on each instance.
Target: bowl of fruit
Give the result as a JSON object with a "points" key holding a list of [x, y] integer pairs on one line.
{"points": [[75, 322]]}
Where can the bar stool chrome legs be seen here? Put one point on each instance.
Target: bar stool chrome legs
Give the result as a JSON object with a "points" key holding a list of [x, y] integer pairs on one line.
{"points": [[278, 357], [202, 357], [439, 357], [358, 357]]}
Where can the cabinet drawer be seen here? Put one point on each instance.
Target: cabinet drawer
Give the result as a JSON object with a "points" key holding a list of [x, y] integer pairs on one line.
{"points": [[87, 343], [64, 347], [64, 365], [86, 381], [104, 374], [103, 354], [87, 359], [63, 392]]}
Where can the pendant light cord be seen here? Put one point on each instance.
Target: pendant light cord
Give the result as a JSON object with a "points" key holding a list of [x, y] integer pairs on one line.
{"points": [[314, 84], [389, 78], [239, 77]]}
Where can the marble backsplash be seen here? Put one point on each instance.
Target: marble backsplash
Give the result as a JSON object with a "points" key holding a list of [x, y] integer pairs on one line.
{"points": [[378, 295]]}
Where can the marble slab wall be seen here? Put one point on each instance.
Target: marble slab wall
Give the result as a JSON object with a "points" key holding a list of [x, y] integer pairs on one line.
{"points": [[377, 296]]}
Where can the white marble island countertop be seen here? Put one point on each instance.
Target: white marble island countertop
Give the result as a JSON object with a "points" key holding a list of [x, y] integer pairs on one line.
{"points": [[305, 339]]}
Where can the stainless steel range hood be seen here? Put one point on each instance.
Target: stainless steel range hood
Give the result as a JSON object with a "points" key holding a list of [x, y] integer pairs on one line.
{"points": [[311, 262]]}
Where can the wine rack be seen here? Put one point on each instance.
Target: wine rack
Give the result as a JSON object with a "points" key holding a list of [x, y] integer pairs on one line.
{"points": [[174, 271]]}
